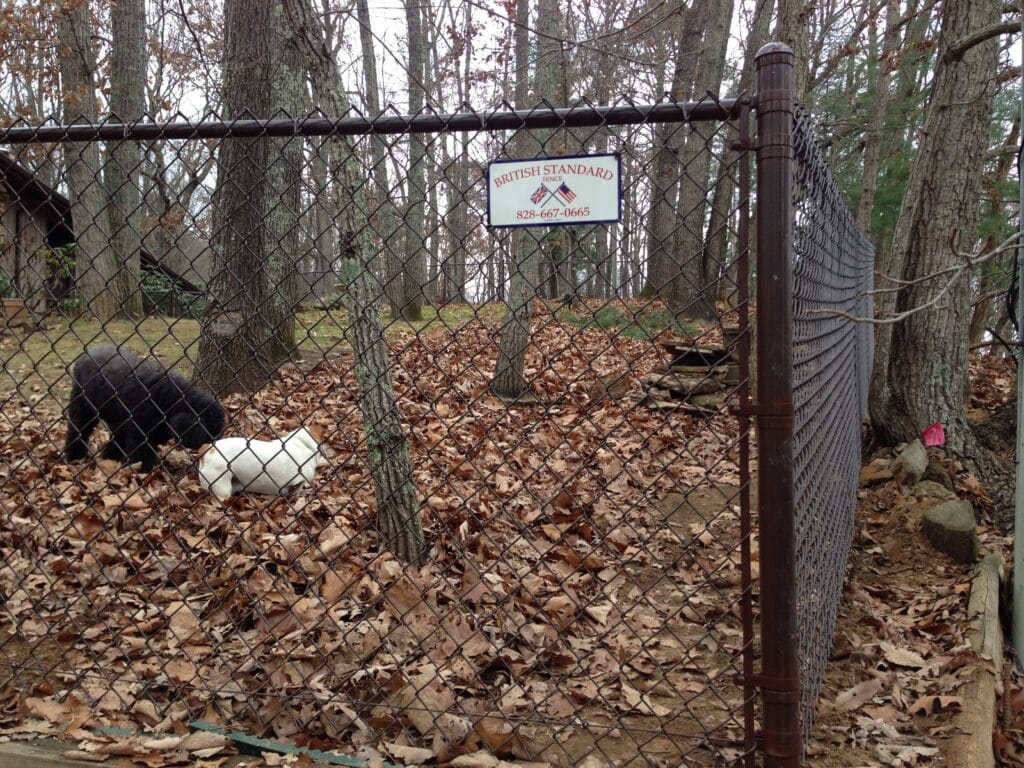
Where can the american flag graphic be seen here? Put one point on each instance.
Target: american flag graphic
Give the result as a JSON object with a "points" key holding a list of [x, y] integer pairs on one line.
{"points": [[539, 195], [565, 193]]}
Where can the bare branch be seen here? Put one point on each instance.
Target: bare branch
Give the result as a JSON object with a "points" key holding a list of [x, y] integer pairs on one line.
{"points": [[957, 49], [955, 272]]}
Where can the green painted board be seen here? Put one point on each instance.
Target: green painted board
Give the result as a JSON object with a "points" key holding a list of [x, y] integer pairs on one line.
{"points": [[253, 745]]}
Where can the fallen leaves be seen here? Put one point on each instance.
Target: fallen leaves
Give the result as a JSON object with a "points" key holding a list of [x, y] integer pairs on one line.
{"points": [[557, 592]]}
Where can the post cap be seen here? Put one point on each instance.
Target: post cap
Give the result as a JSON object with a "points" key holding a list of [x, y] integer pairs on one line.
{"points": [[768, 48]]}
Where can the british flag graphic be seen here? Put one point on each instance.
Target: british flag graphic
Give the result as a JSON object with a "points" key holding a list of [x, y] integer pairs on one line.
{"points": [[540, 194], [565, 193]]}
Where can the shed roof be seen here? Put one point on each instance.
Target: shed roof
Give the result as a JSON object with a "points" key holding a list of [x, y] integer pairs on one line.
{"points": [[40, 198]]}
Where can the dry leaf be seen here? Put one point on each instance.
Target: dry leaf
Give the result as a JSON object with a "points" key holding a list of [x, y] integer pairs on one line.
{"points": [[479, 759], [860, 694], [409, 755], [901, 657], [927, 705]]}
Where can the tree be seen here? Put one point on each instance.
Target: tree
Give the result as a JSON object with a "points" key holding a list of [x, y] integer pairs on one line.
{"points": [[875, 135], [95, 266], [715, 246], [662, 264], [386, 444], [383, 216], [284, 177], [792, 28], [509, 372], [414, 257], [122, 173], [692, 287], [241, 341], [919, 363]]}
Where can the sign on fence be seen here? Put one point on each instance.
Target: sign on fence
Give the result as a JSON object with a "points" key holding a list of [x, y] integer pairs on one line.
{"points": [[578, 189]]}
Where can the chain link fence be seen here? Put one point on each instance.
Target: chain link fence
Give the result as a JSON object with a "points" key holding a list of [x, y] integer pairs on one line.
{"points": [[559, 574], [833, 275]]}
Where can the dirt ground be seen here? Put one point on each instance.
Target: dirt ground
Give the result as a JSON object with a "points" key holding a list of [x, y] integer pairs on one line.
{"points": [[903, 622]]}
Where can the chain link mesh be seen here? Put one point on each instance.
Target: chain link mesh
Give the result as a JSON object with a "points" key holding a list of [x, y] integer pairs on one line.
{"points": [[833, 273], [579, 592]]}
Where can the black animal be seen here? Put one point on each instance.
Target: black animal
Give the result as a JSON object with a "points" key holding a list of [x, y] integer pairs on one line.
{"points": [[143, 403], [570, 300]]}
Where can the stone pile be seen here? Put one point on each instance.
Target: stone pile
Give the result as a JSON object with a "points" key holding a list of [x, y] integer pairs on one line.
{"points": [[696, 379]]}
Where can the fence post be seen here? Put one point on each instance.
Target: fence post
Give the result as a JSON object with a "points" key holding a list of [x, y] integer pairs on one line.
{"points": [[780, 667]]}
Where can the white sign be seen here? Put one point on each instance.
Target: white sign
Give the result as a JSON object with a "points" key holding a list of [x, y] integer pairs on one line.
{"points": [[581, 189]]}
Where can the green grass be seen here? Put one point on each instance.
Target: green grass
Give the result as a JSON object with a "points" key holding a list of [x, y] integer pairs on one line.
{"points": [[644, 324], [38, 361]]}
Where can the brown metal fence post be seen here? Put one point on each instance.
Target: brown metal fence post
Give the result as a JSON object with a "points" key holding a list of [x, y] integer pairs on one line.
{"points": [[779, 679]]}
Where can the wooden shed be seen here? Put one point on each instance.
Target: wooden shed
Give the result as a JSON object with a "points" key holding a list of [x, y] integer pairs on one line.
{"points": [[33, 219]]}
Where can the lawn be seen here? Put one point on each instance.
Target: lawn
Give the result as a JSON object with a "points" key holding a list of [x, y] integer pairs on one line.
{"points": [[37, 362]]}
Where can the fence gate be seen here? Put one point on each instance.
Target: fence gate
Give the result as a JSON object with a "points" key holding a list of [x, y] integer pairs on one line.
{"points": [[576, 584]]}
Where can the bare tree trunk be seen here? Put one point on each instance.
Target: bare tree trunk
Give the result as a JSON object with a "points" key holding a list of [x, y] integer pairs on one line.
{"points": [[792, 29], [284, 199], [387, 446], [920, 376], [239, 349], [716, 244], [662, 263], [692, 291], [95, 265], [122, 172], [383, 216], [509, 372], [325, 206], [875, 136], [460, 233], [414, 264], [991, 269]]}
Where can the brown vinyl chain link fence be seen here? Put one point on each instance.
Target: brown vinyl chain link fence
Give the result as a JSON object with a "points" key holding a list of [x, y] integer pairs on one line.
{"points": [[833, 272], [580, 592], [566, 575]]}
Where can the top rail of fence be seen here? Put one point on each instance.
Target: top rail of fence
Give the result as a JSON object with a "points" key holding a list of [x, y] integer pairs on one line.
{"points": [[582, 116]]}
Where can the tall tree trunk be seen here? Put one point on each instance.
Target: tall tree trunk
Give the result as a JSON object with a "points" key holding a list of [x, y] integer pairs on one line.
{"points": [[509, 373], [456, 275], [284, 199], [792, 28], [992, 269], [122, 173], [325, 207], [662, 264], [875, 136], [387, 447], [919, 378], [383, 216], [716, 245], [692, 291], [95, 265], [238, 345], [414, 267]]}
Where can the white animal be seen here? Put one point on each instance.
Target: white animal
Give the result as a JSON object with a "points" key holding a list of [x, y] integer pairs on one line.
{"points": [[273, 467]]}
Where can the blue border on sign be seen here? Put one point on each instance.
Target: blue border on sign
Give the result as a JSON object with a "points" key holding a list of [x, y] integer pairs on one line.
{"points": [[487, 178]]}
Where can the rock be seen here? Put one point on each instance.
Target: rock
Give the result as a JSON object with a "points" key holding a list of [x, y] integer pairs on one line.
{"points": [[684, 385], [710, 402], [876, 471], [614, 386], [911, 464], [929, 489], [951, 528], [938, 473]]}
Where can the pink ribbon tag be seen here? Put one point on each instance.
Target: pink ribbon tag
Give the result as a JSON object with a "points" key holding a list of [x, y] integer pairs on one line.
{"points": [[934, 435]]}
